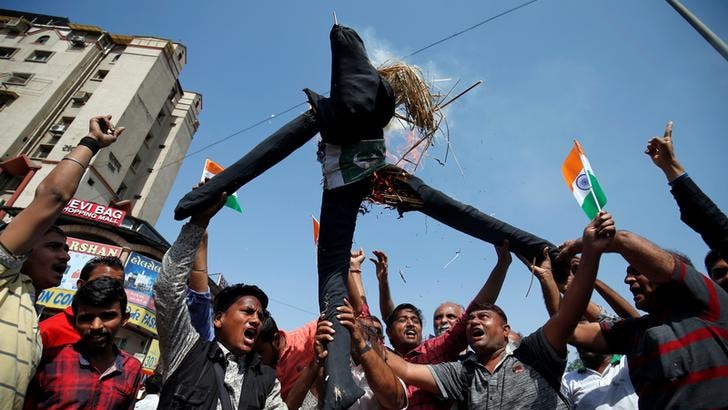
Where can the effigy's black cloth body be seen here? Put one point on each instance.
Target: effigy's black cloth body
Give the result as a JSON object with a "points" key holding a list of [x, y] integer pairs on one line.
{"points": [[361, 102], [469, 220], [360, 106], [268, 153]]}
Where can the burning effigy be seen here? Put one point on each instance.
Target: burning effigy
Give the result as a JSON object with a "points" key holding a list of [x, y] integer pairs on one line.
{"points": [[362, 101]]}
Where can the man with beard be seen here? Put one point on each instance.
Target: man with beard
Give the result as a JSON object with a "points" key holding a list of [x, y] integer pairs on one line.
{"points": [[445, 316], [34, 256], [677, 352], [93, 372], [60, 329]]}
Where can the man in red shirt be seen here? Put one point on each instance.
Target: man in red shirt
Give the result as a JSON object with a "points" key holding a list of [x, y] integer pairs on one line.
{"points": [[58, 330], [93, 372]]}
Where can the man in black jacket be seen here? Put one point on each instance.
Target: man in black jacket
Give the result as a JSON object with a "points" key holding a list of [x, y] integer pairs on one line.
{"points": [[224, 373]]}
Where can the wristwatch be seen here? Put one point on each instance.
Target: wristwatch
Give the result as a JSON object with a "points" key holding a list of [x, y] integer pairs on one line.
{"points": [[367, 347]]}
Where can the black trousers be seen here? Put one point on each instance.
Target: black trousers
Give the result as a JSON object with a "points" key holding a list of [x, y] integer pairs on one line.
{"points": [[339, 210]]}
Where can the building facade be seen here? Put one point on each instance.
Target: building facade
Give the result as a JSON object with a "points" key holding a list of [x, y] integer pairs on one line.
{"points": [[54, 76]]}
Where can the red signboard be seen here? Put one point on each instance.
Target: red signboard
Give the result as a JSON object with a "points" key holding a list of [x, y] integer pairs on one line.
{"points": [[94, 212]]}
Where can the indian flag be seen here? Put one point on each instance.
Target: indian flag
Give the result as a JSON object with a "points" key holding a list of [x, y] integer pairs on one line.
{"points": [[211, 169], [582, 182], [316, 228]]}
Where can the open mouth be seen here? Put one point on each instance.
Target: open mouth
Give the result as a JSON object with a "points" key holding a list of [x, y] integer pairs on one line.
{"points": [[59, 268], [477, 332], [410, 333], [249, 335]]}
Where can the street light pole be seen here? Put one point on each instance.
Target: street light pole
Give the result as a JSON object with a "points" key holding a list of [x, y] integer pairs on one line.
{"points": [[698, 25]]}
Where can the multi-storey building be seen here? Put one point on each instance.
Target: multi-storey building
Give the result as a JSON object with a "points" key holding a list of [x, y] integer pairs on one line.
{"points": [[54, 76]]}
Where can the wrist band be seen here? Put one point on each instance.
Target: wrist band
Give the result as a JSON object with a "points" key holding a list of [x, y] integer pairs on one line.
{"points": [[355, 270], [90, 143], [74, 160]]}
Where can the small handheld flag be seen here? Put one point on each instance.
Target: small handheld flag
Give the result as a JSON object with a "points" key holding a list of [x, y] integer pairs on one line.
{"points": [[582, 182], [211, 169], [316, 226]]}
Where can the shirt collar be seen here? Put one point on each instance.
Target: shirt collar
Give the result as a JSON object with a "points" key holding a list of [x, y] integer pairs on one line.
{"points": [[117, 366], [232, 357]]}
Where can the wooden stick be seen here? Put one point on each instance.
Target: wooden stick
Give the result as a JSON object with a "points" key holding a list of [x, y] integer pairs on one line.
{"points": [[459, 95]]}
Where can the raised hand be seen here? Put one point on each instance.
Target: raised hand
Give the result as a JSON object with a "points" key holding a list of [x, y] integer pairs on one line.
{"points": [[357, 257], [102, 130], [662, 153], [599, 234], [381, 264]]}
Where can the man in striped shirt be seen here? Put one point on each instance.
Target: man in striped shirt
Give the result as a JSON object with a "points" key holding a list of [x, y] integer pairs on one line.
{"points": [[32, 230], [677, 354]]}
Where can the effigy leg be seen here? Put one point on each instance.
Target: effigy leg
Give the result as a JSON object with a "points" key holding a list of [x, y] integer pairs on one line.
{"points": [[406, 192], [339, 209]]}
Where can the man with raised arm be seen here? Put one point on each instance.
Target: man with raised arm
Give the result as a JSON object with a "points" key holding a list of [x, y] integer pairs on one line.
{"points": [[696, 208], [404, 329], [224, 373], [603, 381], [678, 353], [492, 377], [34, 256]]}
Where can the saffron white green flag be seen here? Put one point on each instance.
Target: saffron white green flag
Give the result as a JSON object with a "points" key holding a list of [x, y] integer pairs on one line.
{"points": [[582, 182], [211, 169]]}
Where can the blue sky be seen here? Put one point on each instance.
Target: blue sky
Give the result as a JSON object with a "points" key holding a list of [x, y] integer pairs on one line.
{"points": [[610, 73]]}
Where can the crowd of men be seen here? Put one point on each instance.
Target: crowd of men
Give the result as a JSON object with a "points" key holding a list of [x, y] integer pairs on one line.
{"points": [[228, 353]]}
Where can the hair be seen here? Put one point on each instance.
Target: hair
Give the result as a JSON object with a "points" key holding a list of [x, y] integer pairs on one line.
{"points": [[711, 258], [228, 296], [268, 329], [153, 384], [110, 261], [57, 229], [488, 306], [401, 307], [100, 292]]}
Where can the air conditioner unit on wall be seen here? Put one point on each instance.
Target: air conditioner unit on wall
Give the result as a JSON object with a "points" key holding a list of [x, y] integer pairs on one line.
{"points": [[57, 129], [81, 97], [18, 25], [77, 40]]}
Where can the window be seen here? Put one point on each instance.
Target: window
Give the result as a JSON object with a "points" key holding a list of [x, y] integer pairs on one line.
{"points": [[91, 182], [42, 39], [39, 56], [135, 163], [113, 164], [100, 75], [43, 151], [121, 191], [7, 52], [148, 139], [116, 58], [18, 78], [9, 182], [6, 99]]}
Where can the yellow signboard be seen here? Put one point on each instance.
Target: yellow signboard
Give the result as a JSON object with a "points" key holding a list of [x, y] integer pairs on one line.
{"points": [[152, 358], [55, 298], [142, 317]]}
